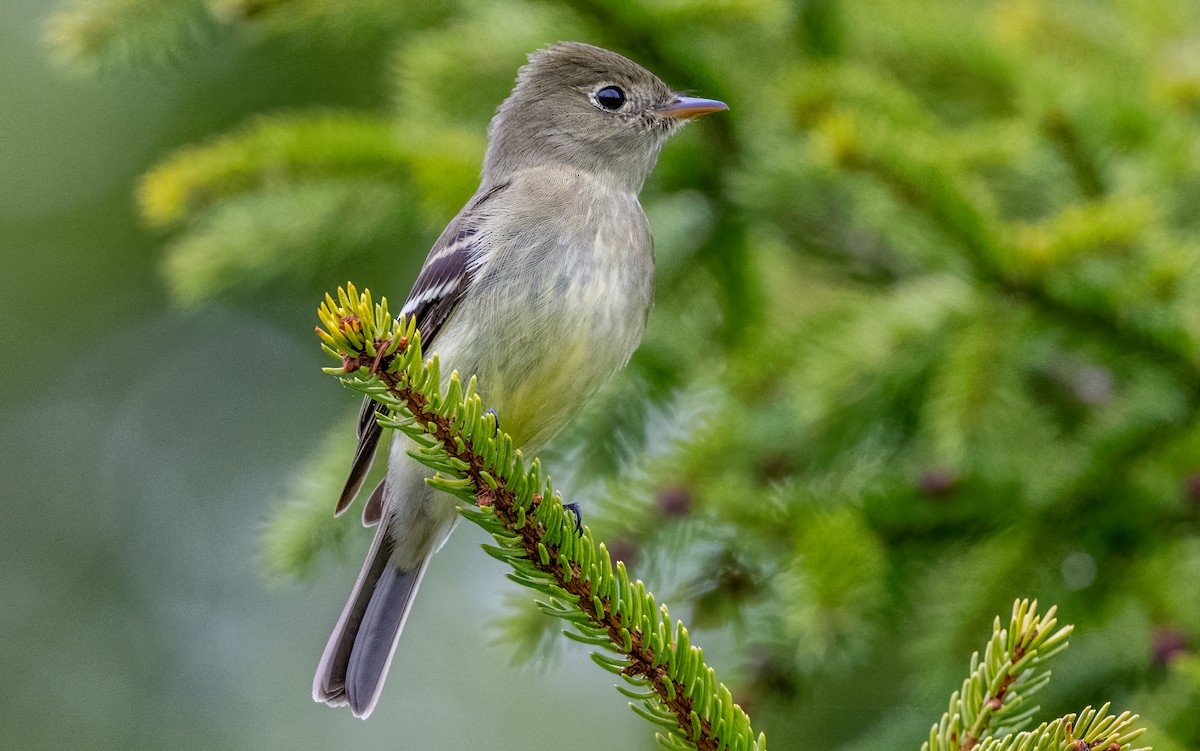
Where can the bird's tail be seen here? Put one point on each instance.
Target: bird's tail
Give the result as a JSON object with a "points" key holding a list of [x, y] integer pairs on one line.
{"points": [[359, 651]]}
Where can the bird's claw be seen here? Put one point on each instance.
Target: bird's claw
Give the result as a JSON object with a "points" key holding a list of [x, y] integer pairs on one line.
{"points": [[574, 509], [492, 411]]}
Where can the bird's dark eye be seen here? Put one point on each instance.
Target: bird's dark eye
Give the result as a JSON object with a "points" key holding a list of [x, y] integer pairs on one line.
{"points": [[610, 98]]}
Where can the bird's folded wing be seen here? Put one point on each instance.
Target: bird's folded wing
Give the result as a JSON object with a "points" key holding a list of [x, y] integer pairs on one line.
{"points": [[443, 281]]}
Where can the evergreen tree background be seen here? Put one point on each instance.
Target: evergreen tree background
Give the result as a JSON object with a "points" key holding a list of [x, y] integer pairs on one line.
{"points": [[927, 339]]}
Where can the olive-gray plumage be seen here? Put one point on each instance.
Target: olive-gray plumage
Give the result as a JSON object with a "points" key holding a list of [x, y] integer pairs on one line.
{"points": [[540, 286]]}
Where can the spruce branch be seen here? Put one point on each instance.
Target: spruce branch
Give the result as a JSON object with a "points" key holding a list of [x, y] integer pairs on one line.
{"points": [[284, 232], [269, 151], [297, 535], [669, 682], [941, 194], [1011, 670], [93, 36], [1064, 134], [986, 713]]}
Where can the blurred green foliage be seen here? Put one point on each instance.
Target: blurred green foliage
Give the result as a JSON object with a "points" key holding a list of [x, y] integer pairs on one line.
{"points": [[927, 334]]}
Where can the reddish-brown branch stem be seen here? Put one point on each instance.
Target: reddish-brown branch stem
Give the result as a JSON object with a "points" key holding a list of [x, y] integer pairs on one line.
{"points": [[503, 505]]}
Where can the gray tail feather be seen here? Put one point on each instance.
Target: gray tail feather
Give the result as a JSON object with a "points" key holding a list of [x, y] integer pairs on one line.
{"points": [[359, 651]]}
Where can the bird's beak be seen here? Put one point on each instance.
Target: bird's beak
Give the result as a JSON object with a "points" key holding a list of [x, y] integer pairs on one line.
{"points": [[685, 107]]}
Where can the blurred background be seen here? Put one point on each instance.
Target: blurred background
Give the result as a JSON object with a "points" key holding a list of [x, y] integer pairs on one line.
{"points": [[927, 339]]}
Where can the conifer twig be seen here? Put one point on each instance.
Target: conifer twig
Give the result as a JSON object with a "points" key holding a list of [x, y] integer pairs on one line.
{"points": [[672, 685], [986, 713]]}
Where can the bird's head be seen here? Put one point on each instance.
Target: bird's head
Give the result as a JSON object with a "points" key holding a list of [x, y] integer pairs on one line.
{"points": [[589, 109]]}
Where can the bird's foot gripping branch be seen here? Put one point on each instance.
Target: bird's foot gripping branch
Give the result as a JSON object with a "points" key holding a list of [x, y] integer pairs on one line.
{"points": [[669, 682]]}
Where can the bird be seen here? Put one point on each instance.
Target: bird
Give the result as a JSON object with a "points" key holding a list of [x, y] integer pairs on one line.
{"points": [[541, 287]]}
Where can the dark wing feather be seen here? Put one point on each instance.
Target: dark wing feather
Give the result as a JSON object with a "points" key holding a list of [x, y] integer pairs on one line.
{"points": [[368, 441], [440, 286]]}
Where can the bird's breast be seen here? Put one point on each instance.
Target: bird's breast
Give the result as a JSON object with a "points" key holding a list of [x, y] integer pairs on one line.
{"points": [[556, 308]]}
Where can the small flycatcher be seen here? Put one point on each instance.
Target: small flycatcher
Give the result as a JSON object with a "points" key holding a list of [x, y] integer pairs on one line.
{"points": [[540, 286]]}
